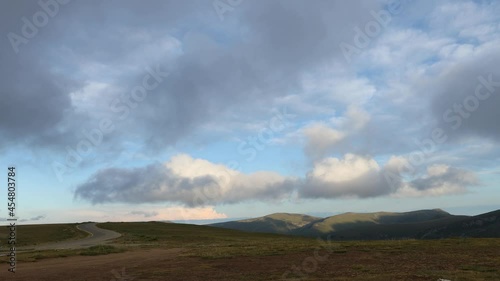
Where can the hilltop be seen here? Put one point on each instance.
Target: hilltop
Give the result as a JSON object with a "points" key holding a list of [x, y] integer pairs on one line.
{"points": [[421, 224]]}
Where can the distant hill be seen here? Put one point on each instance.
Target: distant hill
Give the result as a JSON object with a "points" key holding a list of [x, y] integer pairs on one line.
{"points": [[422, 224], [350, 224], [484, 225], [282, 223]]}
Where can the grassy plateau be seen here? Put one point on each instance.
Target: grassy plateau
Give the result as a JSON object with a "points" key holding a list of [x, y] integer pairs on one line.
{"points": [[194, 252]]}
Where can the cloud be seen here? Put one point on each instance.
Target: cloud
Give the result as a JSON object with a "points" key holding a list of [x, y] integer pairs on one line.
{"points": [[352, 176], [122, 212], [439, 180], [321, 139], [363, 177], [144, 214], [325, 138], [35, 102], [37, 218], [69, 56], [192, 182], [467, 96], [175, 213], [197, 182], [226, 77], [426, 82]]}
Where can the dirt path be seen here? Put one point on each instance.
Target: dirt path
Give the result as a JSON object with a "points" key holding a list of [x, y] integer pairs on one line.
{"points": [[97, 236], [117, 267], [358, 264]]}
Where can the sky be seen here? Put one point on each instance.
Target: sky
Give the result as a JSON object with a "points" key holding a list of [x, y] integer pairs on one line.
{"points": [[216, 109]]}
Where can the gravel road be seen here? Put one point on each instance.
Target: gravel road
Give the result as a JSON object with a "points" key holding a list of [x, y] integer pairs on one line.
{"points": [[97, 236]]}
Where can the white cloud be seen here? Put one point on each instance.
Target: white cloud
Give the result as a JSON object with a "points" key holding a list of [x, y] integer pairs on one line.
{"points": [[321, 139], [352, 176], [358, 176], [335, 170], [197, 182], [183, 179]]}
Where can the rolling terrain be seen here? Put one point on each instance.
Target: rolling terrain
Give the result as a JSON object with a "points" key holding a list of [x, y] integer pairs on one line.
{"points": [[281, 223], [29, 235], [422, 224], [166, 251]]}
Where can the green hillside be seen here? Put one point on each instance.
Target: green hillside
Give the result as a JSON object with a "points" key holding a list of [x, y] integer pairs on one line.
{"points": [[343, 223], [422, 224], [481, 226], [282, 223]]}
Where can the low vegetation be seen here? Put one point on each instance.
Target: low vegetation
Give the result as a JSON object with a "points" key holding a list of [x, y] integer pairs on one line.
{"points": [[267, 256], [44, 233], [101, 250], [205, 240], [33, 256], [227, 254]]}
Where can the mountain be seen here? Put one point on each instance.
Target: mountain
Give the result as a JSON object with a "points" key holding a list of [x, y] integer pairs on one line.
{"points": [[484, 226], [422, 224], [359, 225], [282, 223]]}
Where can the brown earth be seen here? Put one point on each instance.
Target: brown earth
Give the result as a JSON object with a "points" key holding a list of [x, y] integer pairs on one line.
{"points": [[176, 264]]}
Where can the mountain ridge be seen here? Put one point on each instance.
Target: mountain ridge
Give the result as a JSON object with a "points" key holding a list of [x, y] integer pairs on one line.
{"points": [[281, 223], [419, 224]]}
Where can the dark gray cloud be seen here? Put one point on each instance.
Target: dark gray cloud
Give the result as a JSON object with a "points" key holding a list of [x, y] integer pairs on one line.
{"points": [[35, 106], [446, 176], [261, 57], [467, 96], [91, 54], [34, 102]]}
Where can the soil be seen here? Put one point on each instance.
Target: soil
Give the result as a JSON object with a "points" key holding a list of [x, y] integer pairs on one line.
{"points": [[175, 264]]}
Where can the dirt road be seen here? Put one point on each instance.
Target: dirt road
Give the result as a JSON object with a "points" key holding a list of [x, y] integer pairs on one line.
{"points": [[114, 267], [97, 236], [453, 261]]}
